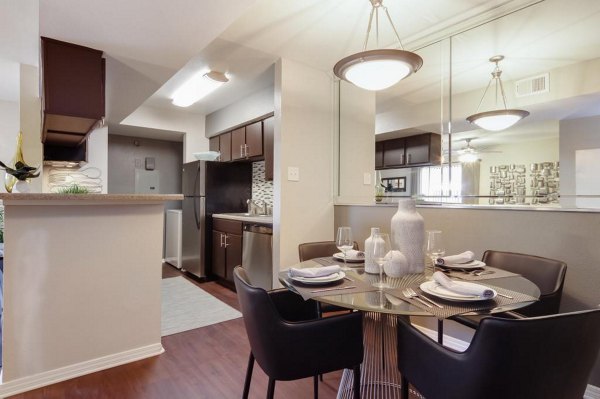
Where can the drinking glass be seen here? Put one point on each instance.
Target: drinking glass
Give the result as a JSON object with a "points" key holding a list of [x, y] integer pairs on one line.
{"points": [[434, 247], [381, 247], [344, 242]]}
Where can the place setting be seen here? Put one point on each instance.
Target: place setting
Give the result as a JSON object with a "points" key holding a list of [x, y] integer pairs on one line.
{"points": [[313, 282], [464, 266]]}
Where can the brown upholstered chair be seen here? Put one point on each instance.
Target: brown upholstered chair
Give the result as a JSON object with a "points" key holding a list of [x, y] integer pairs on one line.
{"points": [[289, 342], [547, 274], [536, 358]]}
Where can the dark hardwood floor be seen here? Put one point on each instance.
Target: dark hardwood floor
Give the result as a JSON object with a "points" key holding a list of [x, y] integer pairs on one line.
{"points": [[205, 363]]}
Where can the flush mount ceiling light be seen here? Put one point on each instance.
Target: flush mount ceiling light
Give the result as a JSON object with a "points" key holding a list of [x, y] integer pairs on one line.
{"points": [[197, 87], [381, 68], [498, 119]]}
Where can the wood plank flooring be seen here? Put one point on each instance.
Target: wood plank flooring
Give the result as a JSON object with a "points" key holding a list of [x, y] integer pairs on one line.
{"points": [[205, 363]]}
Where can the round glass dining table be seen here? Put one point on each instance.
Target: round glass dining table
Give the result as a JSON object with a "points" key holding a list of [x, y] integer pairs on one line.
{"points": [[379, 372]]}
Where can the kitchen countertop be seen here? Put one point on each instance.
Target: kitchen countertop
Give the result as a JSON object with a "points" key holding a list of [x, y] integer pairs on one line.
{"points": [[243, 217], [85, 199]]}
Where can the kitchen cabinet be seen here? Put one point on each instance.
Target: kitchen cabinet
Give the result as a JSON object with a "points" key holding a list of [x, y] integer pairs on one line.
{"points": [[247, 141], [73, 87], [222, 144], [418, 150], [268, 139], [226, 247]]}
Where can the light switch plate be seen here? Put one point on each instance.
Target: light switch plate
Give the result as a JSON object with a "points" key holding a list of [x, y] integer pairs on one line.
{"points": [[367, 179], [293, 173]]}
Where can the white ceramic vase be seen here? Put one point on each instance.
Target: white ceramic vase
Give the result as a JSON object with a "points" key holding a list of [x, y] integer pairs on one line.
{"points": [[408, 234], [396, 264], [370, 265]]}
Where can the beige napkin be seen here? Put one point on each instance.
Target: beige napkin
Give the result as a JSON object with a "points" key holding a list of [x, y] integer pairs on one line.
{"points": [[471, 289], [464, 257], [312, 272]]}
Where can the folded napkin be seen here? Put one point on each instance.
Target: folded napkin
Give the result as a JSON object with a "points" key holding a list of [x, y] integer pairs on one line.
{"points": [[312, 272], [353, 253], [464, 257], [471, 289]]}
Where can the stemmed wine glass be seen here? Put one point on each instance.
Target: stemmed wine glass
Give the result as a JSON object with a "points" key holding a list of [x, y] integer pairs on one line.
{"points": [[381, 247], [434, 246], [344, 242]]}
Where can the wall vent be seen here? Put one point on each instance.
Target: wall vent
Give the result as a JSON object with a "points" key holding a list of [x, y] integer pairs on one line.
{"points": [[533, 85]]}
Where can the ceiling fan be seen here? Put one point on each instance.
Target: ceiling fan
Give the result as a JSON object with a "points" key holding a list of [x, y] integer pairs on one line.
{"points": [[469, 153]]}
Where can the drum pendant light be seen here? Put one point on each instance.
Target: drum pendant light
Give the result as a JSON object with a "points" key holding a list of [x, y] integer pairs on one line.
{"points": [[380, 68], [498, 119]]}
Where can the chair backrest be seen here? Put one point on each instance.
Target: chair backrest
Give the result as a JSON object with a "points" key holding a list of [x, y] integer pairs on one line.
{"points": [[311, 250], [547, 274], [543, 357]]}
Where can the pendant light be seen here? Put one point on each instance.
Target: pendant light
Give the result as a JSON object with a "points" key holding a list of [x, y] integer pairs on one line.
{"points": [[498, 119], [381, 68]]}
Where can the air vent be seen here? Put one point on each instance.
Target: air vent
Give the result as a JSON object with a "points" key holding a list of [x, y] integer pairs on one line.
{"points": [[533, 85]]}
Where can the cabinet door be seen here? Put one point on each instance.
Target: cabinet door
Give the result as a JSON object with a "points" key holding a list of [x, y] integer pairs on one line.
{"points": [[417, 149], [254, 140], [218, 254], [225, 146], [393, 153], [268, 136], [213, 143], [378, 154], [238, 141], [234, 254]]}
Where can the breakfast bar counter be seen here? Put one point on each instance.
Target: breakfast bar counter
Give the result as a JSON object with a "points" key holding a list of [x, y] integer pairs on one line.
{"points": [[82, 284]]}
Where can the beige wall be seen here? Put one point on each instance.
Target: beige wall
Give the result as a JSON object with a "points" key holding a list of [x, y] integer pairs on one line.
{"points": [[303, 210], [569, 236]]}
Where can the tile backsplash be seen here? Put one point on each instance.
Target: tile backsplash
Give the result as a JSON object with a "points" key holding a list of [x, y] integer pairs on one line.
{"points": [[261, 189]]}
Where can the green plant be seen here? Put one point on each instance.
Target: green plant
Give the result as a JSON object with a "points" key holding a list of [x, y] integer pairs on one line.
{"points": [[74, 189]]}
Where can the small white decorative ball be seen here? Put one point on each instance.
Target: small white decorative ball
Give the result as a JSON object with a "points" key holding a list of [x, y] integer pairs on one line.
{"points": [[396, 264]]}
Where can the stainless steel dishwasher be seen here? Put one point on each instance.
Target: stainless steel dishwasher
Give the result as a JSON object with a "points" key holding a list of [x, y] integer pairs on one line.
{"points": [[257, 255]]}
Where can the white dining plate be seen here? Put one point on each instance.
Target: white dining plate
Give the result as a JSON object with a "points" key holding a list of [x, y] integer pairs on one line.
{"points": [[319, 280], [433, 288], [474, 264], [340, 256]]}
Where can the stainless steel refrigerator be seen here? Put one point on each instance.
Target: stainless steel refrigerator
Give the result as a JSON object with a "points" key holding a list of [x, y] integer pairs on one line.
{"points": [[208, 188]]}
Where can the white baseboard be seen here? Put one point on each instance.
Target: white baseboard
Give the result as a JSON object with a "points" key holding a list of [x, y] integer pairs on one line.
{"points": [[591, 392], [75, 370]]}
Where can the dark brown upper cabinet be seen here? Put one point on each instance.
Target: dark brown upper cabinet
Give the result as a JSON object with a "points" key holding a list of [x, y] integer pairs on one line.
{"points": [[268, 138], [225, 147], [73, 92], [419, 150], [247, 141]]}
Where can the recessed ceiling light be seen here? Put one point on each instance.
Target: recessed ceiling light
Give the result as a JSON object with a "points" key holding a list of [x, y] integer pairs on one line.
{"points": [[198, 86]]}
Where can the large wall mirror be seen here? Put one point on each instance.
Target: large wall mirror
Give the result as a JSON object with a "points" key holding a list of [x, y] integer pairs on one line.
{"points": [[550, 69]]}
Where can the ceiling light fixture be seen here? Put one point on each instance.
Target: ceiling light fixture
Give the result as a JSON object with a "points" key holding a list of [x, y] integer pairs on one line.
{"points": [[498, 119], [468, 157], [197, 87], [381, 68]]}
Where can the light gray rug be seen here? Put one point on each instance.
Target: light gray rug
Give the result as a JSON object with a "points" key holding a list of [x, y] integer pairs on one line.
{"points": [[186, 306]]}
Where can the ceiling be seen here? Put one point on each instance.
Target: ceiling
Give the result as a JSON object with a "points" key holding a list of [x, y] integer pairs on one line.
{"points": [[165, 45]]}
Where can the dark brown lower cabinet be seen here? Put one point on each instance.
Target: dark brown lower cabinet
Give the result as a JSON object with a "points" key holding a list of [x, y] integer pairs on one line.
{"points": [[218, 254], [226, 247], [233, 254]]}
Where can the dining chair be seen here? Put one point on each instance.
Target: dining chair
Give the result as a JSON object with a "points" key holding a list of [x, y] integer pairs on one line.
{"points": [[535, 358], [548, 274], [320, 249], [289, 342]]}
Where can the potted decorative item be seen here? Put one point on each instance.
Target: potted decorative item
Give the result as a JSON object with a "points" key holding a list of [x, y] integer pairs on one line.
{"points": [[18, 172]]}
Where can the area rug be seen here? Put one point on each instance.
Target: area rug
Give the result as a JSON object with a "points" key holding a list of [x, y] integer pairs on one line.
{"points": [[186, 306]]}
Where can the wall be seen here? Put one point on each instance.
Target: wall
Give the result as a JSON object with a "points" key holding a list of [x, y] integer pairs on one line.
{"points": [[568, 236], [244, 110], [123, 154], [303, 210], [169, 119]]}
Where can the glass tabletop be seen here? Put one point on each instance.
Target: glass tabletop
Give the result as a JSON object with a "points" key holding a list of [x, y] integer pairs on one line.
{"points": [[382, 302]]}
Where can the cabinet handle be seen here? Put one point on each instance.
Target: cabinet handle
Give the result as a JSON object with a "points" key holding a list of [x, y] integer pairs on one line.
{"points": [[226, 244], [221, 239], [241, 150], [246, 149], [401, 159], [409, 157]]}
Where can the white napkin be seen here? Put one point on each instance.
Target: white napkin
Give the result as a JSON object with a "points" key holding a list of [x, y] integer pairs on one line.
{"points": [[464, 257], [353, 253], [471, 289], [312, 272]]}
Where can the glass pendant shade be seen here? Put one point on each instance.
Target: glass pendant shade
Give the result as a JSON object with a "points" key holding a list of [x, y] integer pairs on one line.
{"points": [[377, 69], [497, 120], [467, 157]]}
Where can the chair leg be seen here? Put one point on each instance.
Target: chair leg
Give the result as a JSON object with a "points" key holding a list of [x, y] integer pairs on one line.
{"points": [[271, 389], [404, 382], [316, 386], [356, 382], [319, 312], [321, 377], [440, 331], [248, 376]]}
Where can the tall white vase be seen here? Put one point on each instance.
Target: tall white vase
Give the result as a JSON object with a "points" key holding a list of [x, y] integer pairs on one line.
{"points": [[408, 234], [370, 265]]}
